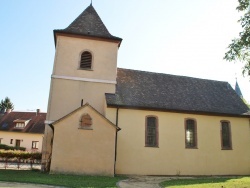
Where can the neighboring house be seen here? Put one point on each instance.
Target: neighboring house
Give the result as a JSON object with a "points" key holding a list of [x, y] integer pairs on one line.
{"points": [[106, 120], [23, 129]]}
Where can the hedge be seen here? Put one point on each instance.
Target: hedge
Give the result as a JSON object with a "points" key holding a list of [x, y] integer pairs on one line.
{"points": [[6, 147], [20, 155]]}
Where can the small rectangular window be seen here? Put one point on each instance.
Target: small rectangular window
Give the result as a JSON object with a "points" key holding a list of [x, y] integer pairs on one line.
{"points": [[35, 144], [226, 141], [0, 140], [190, 133], [11, 141]]}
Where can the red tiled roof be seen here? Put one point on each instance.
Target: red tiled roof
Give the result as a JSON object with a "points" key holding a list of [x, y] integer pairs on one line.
{"points": [[35, 124]]}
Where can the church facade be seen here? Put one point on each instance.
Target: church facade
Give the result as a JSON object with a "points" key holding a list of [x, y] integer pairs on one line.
{"points": [[104, 120]]}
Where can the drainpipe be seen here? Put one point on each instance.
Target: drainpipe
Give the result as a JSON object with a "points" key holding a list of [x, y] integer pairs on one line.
{"points": [[117, 116]]}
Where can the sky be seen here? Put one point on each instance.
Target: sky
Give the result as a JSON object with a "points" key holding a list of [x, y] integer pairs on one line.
{"points": [[178, 37]]}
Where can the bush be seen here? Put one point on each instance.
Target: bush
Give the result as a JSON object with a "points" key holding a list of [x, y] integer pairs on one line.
{"points": [[6, 147], [20, 155]]}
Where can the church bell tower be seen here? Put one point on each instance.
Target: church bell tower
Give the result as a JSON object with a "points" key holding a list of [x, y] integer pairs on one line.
{"points": [[84, 70]]}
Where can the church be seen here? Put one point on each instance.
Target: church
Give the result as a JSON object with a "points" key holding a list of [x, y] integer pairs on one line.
{"points": [[105, 120]]}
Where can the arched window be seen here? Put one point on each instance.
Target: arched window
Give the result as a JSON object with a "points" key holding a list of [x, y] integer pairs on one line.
{"points": [[190, 133], [86, 60], [86, 121], [226, 140], [151, 136]]}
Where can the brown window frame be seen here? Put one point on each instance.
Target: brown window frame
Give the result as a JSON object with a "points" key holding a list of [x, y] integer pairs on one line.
{"points": [[86, 60], [36, 145], [195, 145], [18, 143], [156, 132], [86, 122], [229, 147], [11, 141]]}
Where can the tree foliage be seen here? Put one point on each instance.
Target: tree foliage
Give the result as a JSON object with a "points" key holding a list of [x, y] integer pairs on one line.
{"points": [[6, 104], [239, 49]]}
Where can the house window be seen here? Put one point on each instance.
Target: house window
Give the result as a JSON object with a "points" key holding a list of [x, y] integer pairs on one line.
{"points": [[151, 136], [86, 60], [35, 144], [190, 133], [0, 140], [226, 141], [86, 122], [11, 141], [18, 143]]}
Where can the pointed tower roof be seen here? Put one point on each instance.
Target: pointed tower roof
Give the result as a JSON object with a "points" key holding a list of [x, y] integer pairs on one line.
{"points": [[237, 90], [88, 24]]}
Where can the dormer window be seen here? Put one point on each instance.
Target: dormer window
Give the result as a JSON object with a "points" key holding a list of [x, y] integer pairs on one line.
{"points": [[86, 61], [20, 124]]}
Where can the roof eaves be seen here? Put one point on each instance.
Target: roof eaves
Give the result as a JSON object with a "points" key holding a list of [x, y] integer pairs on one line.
{"points": [[113, 38], [244, 115]]}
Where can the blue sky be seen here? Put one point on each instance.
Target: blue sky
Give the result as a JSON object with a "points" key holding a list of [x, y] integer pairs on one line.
{"points": [[175, 37]]}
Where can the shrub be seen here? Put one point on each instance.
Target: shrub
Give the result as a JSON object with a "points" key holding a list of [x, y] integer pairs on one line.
{"points": [[6, 147], [20, 155]]}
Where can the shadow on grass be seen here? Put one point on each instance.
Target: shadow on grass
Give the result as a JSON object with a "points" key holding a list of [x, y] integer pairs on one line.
{"points": [[203, 181], [77, 181]]}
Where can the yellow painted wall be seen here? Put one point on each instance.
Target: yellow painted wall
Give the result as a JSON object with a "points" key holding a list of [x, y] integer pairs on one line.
{"points": [[171, 158], [66, 94], [26, 139], [68, 55], [80, 151]]}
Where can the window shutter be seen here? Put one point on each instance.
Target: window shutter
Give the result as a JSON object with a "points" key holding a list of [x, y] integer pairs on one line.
{"points": [[86, 60]]}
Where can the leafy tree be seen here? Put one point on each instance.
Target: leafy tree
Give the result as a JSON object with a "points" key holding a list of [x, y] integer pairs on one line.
{"points": [[239, 49], [6, 104]]}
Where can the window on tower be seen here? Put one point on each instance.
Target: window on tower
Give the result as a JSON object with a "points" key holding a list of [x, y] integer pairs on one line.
{"points": [[86, 60]]}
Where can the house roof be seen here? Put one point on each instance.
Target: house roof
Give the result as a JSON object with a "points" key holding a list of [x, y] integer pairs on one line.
{"points": [[157, 91], [89, 24], [35, 122], [84, 106]]}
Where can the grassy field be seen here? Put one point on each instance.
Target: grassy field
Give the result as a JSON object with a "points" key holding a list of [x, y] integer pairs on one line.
{"points": [[27, 176], [241, 182]]}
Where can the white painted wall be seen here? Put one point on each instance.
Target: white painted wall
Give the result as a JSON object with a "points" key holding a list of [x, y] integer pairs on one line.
{"points": [[26, 139]]}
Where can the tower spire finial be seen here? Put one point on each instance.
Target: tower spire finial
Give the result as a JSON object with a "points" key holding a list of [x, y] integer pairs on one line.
{"points": [[91, 3]]}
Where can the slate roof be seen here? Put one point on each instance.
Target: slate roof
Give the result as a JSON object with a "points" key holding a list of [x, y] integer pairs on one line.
{"points": [[35, 124], [88, 23], [157, 91], [237, 90]]}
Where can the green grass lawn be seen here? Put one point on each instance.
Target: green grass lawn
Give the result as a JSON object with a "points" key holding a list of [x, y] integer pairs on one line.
{"points": [[241, 182], [27, 176]]}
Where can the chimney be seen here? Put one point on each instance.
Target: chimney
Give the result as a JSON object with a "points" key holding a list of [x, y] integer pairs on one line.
{"points": [[37, 112]]}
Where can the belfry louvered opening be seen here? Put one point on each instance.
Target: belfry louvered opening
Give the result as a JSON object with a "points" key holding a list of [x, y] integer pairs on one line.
{"points": [[86, 60]]}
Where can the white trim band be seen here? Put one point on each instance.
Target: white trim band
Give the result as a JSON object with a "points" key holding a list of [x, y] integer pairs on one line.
{"points": [[83, 79], [48, 122]]}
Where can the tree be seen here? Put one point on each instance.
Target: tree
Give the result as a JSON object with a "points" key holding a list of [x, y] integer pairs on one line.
{"points": [[6, 104], [239, 49]]}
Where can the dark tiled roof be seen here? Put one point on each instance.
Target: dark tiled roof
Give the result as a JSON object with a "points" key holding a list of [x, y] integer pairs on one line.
{"points": [[35, 124], [156, 91], [88, 23]]}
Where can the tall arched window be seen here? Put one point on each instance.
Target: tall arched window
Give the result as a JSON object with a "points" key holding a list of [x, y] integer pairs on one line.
{"points": [[190, 133], [226, 140], [151, 136], [86, 60]]}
